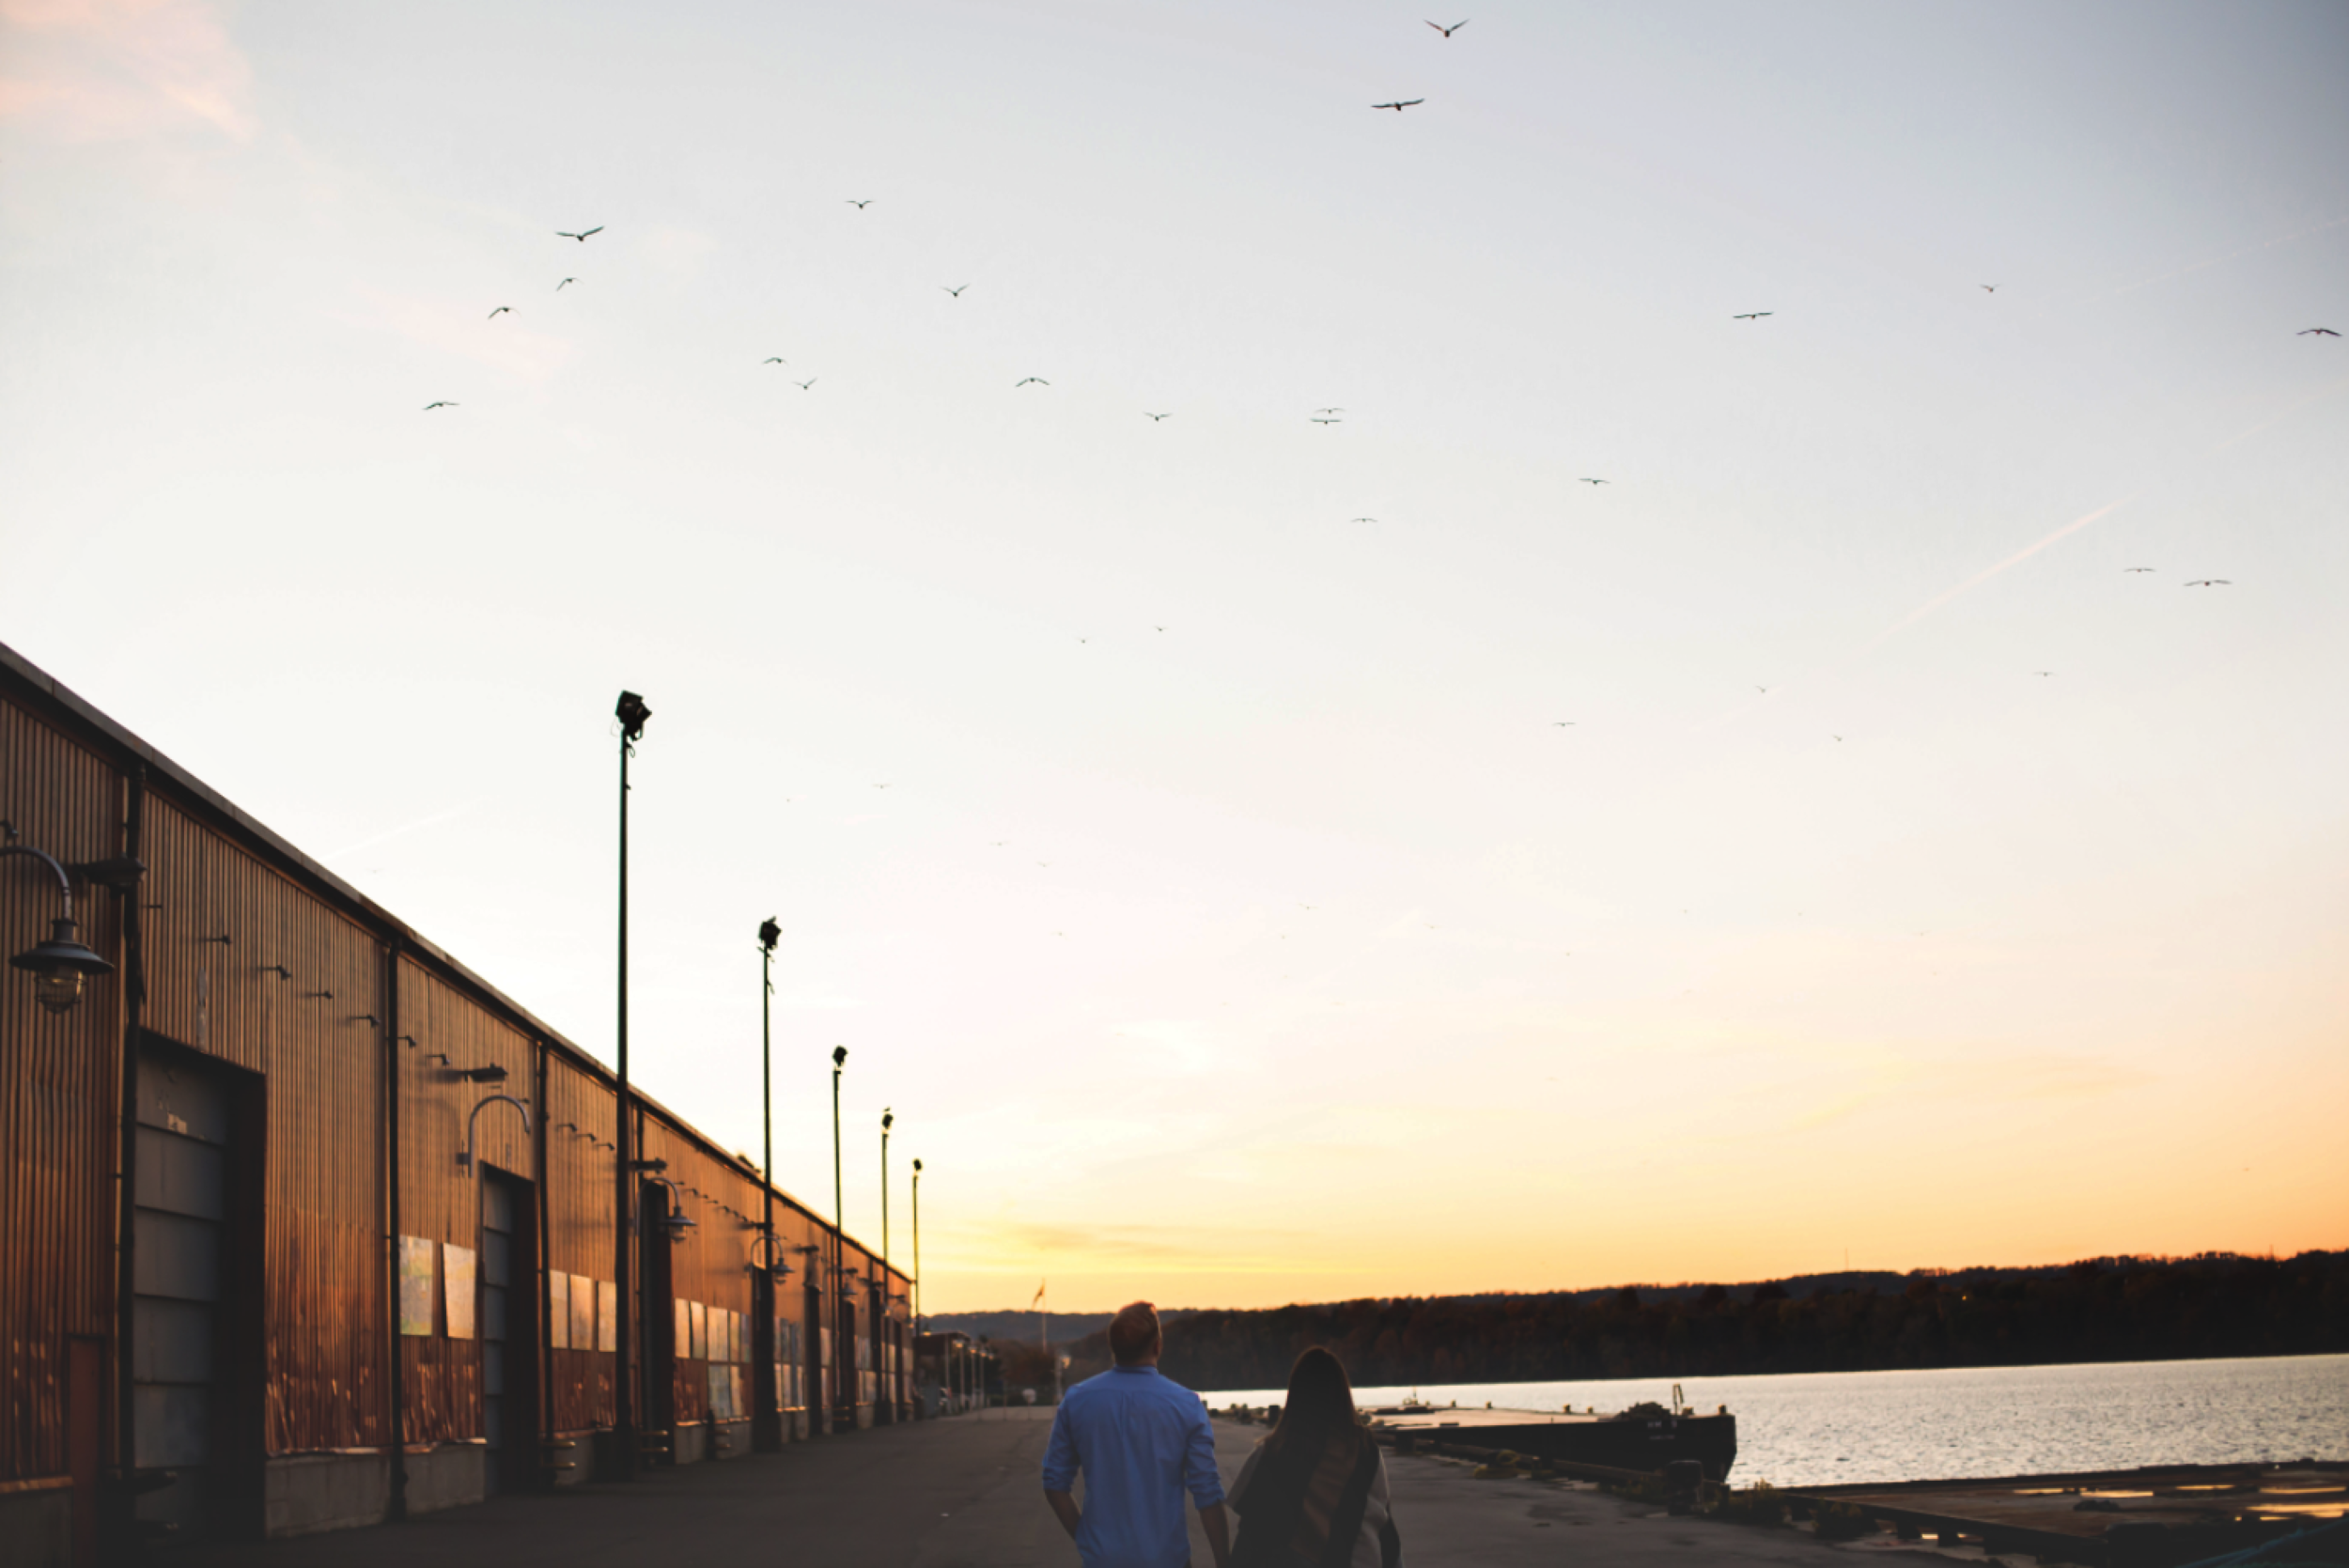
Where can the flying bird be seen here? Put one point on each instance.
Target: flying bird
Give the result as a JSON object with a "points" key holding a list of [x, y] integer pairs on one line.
{"points": [[1158, 629], [1399, 107], [1753, 315], [1026, 381], [956, 292], [2126, 570], [1328, 411], [774, 359], [2043, 672], [1153, 418], [2210, 582], [564, 283], [1990, 288], [581, 236], [1597, 481], [1447, 32], [880, 786], [1764, 690], [500, 311], [1561, 724], [1324, 419], [861, 206], [805, 384], [430, 407], [1366, 519], [2317, 332]]}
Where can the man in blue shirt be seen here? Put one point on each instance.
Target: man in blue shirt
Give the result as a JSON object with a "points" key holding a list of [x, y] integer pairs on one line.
{"points": [[1141, 1440]]}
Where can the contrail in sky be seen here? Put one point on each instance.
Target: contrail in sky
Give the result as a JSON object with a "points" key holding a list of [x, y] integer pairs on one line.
{"points": [[2080, 522], [2035, 546], [2248, 250], [374, 839]]}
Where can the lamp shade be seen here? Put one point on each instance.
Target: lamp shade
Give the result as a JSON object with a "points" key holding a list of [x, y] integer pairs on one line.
{"points": [[58, 966]]}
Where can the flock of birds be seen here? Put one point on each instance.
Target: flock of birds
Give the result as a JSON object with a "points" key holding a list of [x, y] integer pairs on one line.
{"points": [[1326, 416]]}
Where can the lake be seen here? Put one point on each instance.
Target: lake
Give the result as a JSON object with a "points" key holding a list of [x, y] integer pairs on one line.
{"points": [[1816, 1429]]}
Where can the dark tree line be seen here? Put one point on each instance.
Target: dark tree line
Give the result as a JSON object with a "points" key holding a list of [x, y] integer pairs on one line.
{"points": [[2104, 1310]]}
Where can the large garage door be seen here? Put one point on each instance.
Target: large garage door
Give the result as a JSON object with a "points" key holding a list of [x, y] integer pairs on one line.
{"points": [[183, 1136]]}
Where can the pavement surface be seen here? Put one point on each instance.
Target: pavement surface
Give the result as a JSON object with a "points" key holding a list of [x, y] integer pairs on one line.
{"points": [[965, 1492]]}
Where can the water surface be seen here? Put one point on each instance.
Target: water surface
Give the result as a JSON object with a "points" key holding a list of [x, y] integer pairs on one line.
{"points": [[1815, 1429]]}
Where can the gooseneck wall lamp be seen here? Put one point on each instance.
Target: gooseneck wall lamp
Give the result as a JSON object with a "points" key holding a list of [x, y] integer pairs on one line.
{"points": [[777, 1267], [60, 964], [676, 1223], [464, 1155]]}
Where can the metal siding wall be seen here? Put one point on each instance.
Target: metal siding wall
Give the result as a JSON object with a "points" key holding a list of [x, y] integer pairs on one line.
{"points": [[582, 1123], [326, 1261], [308, 1030], [438, 1199], [58, 1092]]}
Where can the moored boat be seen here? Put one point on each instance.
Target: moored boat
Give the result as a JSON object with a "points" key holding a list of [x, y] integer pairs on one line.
{"points": [[1646, 1436]]}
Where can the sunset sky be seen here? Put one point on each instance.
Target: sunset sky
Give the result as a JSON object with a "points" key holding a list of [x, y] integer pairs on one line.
{"points": [[1315, 859]]}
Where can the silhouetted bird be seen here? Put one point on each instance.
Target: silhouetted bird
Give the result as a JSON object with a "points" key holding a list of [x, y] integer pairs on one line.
{"points": [[500, 311], [805, 384], [1447, 32], [1322, 419], [1366, 519], [1328, 411], [2127, 569], [1561, 724], [1153, 418], [1400, 106], [1029, 380], [1597, 481], [430, 407], [581, 236], [2210, 582], [1990, 288], [2043, 672], [861, 206], [564, 283], [2317, 332], [773, 359], [956, 292], [1753, 315]]}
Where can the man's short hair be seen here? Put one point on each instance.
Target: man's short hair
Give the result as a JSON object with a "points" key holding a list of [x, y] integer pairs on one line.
{"points": [[1133, 1332]]}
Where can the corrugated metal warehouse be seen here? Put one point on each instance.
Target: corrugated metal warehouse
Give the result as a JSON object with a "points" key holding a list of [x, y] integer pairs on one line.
{"points": [[247, 1284]]}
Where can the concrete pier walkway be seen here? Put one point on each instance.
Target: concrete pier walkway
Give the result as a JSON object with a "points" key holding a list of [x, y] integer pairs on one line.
{"points": [[964, 1493]]}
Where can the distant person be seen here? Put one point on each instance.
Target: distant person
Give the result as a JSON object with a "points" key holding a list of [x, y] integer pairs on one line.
{"points": [[1141, 1440], [1314, 1495]]}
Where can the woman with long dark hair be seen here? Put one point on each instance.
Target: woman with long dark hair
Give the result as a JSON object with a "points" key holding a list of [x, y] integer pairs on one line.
{"points": [[1314, 1495]]}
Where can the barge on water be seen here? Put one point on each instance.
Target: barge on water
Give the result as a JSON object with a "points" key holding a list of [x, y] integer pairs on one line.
{"points": [[1646, 1436]]}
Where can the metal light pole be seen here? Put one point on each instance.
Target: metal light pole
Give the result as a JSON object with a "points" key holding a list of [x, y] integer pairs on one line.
{"points": [[839, 1254], [768, 935], [631, 713], [917, 1247], [886, 1318]]}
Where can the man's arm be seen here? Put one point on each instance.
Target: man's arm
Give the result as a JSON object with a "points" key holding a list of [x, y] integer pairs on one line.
{"points": [[1060, 1473], [1210, 1525], [1206, 1485]]}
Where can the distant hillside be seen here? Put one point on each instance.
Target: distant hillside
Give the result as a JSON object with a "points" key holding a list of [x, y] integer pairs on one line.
{"points": [[1065, 1326], [2098, 1310]]}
